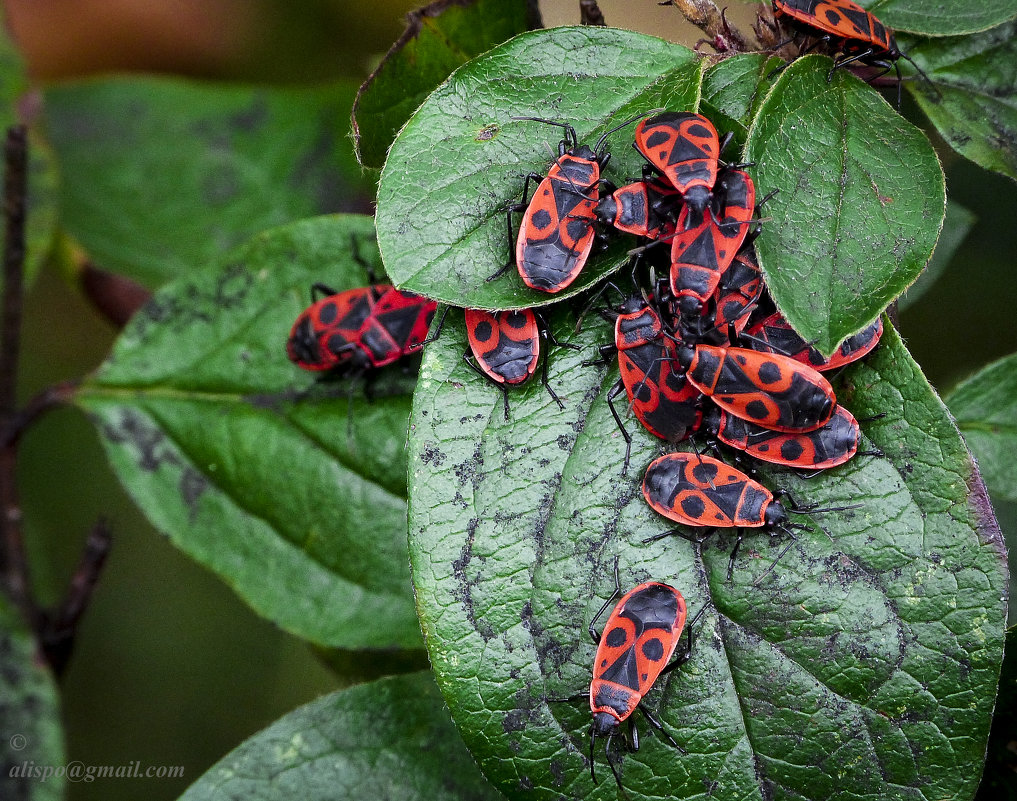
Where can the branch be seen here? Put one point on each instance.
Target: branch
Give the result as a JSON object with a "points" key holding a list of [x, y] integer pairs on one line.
{"points": [[15, 189], [705, 15], [57, 634], [14, 574]]}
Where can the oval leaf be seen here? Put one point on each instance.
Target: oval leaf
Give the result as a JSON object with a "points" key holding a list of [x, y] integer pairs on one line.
{"points": [[391, 738], [985, 406], [861, 201], [161, 177], [863, 664], [461, 159], [249, 464], [974, 102], [32, 734], [936, 18], [438, 38]]}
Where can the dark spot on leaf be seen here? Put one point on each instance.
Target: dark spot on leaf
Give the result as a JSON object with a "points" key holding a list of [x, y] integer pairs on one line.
{"points": [[525, 783], [463, 591], [514, 721], [192, 487], [252, 118], [432, 456], [557, 772], [488, 132], [149, 441]]}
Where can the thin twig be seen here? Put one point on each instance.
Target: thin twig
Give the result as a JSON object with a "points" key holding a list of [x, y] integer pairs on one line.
{"points": [[705, 15], [57, 635], [52, 397], [15, 188], [590, 13], [14, 574]]}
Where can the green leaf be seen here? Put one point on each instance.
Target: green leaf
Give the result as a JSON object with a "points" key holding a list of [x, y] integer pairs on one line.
{"points": [[937, 18], [733, 90], [974, 102], [956, 226], [461, 159], [249, 464], [161, 176], [438, 38], [985, 407], [863, 666], [860, 206], [30, 708], [388, 739]]}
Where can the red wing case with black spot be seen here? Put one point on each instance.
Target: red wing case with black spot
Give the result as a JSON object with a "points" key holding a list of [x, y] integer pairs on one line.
{"points": [[828, 446], [776, 334], [361, 328], [637, 643], [841, 19], [506, 344], [768, 389], [662, 398], [697, 490], [556, 233], [322, 336], [681, 146]]}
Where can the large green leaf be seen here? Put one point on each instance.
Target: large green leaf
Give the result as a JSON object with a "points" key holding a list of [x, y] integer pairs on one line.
{"points": [[32, 738], [161, 176], [985, 406], [461, 159], [974, 101], [438, 38], [939, 18], [388, 739], [861, 201], [249, 464], [864, 666]]}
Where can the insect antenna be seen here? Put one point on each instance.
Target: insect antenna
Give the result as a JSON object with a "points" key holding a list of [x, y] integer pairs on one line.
{"points": [[783, 551], [570, 132], [614, 768], [607, 133]]}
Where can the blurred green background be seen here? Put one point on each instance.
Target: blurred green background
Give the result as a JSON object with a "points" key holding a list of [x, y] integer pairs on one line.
{"points": [[170, 668]]}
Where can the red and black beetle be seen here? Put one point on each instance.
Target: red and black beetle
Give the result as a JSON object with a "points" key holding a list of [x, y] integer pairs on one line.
{"points": [[358, 329]]}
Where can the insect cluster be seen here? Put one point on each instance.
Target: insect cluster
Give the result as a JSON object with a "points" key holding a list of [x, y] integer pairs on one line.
{"points": [[701, 351]]}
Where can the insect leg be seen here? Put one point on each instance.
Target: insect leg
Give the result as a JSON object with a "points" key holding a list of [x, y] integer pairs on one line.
{"points": [[659, 727], [615, 391], [617, 591]]}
